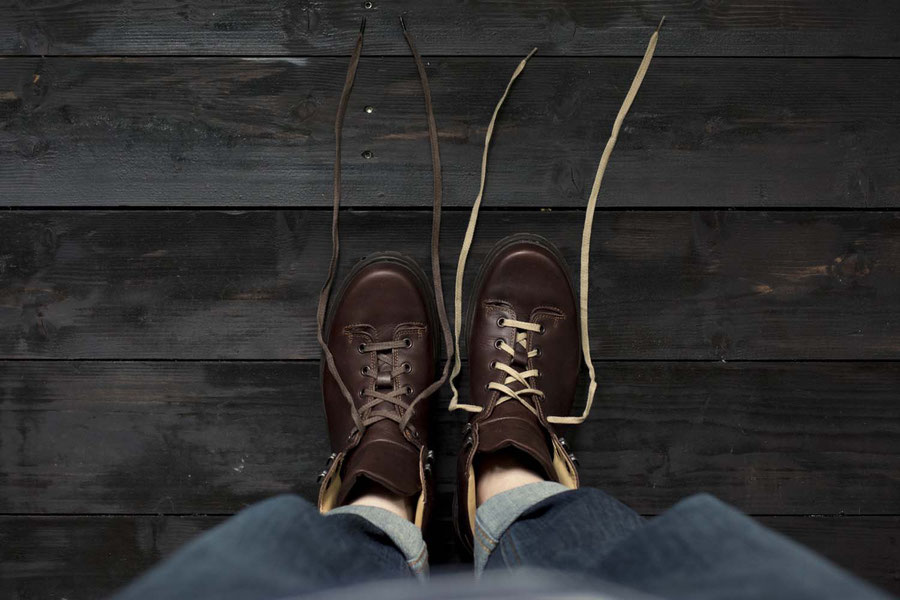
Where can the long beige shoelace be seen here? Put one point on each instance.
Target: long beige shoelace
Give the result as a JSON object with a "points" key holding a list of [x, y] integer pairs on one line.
{"points": [[513, 375], [366, 415]]}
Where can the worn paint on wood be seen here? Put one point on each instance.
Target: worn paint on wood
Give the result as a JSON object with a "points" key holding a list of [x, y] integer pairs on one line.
{"points": [[572, 27], [664, 285], [219, 104], [259, 132], [184, 437]]}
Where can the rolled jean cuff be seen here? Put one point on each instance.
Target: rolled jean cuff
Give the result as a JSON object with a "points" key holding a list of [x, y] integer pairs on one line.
{"points": [[494, 517], [405, 535]]}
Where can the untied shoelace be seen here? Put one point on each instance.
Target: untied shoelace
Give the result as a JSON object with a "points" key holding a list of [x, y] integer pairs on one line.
{"points": [[585, 250], [358, 420]]}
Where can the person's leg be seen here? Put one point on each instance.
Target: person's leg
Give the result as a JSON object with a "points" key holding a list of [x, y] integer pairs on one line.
{"points": [[513, 497], [700, 548], [523, 371], [376, 490], [282, 547]]}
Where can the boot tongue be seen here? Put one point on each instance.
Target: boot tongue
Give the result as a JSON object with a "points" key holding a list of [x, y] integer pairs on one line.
{"points": [[511, 425], [385, 457], [520, 359], [383, 380]]}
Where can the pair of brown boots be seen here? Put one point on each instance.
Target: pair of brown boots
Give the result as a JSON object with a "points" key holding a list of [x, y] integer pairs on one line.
{"points": [[526, 336], [523, 361]]}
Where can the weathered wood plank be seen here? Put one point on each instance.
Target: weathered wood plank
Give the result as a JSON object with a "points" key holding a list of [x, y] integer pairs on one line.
{"points": [[867, 546], [91, 556], [185, 437], [254, 132], [665, 285], [588, 27], [85, 557]]}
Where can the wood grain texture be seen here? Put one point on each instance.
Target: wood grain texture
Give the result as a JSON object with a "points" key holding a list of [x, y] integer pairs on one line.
{"points": [[212, 437], [664, 285], [259, 132], [866, 546], [753, 355], [586, 27], [86, 557]]}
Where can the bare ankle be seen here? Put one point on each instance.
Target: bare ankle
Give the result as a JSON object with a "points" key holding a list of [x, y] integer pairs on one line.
{"points": [[501, 471], [380, 497]]}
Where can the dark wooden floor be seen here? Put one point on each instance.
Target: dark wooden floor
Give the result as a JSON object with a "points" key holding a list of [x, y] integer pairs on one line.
{"points": [[165, 175]]}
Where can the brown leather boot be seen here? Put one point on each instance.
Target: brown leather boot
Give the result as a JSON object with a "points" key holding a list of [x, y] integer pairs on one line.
{"points": [[381, 332], [524, 357], [378, 340], [525, 330]]}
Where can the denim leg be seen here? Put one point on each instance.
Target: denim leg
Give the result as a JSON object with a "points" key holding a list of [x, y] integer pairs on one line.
{"points": [[702, 548], [567, 531], [699, 549], [405, 535], [273, 549]]}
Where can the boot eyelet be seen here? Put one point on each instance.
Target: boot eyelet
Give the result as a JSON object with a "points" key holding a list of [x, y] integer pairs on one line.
{"points": [[409, 390], [493, 364], [501, 322], [407, 342], [361, 348], [487, 387], [362, 393], [542, 329], [365, 370], [498, 344], [407, 368], [538, 352]]}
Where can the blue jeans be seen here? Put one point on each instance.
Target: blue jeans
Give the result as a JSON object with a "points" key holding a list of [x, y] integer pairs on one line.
{"points": [[585, 542]]}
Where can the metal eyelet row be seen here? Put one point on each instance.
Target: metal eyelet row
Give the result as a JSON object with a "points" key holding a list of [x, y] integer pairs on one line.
{"points": [[407, 342], [429, 461], [565, 446], [469, 439], [501, 322], [408, 391], [321, 476]]}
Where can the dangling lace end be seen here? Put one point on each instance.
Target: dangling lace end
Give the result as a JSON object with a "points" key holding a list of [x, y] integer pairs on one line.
{"points": [[588, 226], [661, 21], [592, 388], [467, 243], [455, 405], [325, 294], [446, 332], [454, 393]]}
